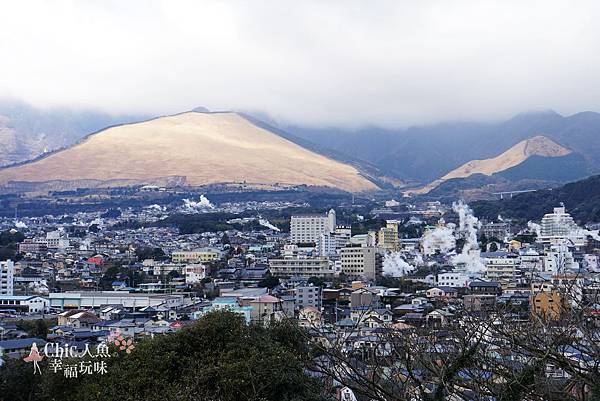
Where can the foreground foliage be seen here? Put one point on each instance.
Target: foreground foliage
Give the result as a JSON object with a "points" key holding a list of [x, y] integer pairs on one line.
{"points": [[218, 358]]}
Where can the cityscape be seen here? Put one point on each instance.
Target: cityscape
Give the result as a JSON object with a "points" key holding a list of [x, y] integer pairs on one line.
{"points": [[385, 201]]}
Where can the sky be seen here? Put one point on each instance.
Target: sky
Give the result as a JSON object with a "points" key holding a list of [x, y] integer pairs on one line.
{"points": [[316, 63]]}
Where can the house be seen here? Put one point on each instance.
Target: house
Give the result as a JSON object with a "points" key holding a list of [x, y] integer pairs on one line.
{"points": [[479, 302], [414, 319], [442, 292], [266, 309], [226, 303], [485, 287], [310, 316], [548, 305], [63, 316], [82, 319], [438, 318], [119, 285], [365, 297], [378, 318], [369, 317]]}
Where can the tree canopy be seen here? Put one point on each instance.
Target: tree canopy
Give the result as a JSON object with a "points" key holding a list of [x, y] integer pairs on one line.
{"points": [[218, 358]]}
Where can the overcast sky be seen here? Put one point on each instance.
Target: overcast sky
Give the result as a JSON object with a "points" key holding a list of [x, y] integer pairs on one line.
{"points": [[347, 63]]}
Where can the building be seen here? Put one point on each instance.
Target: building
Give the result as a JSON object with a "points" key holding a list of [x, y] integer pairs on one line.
{"points": [[485, 287], [92, 299], [454, 279], [18, 348], [231, 304], [57, 240], [194, 273], [24, 303], [479, 302], [361, 261], [308, 295], [548, 305], [498, 231], [441, 292], [266, 309], [559, 259], [7, 271], [387, 237], [31, 246], [501, 265], [329, 244], [309, 227], [202, 255], [304, 267], [559, 227]]}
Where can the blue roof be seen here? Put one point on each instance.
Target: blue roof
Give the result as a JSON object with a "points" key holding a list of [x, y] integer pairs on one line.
{"points": [[21, 343]]}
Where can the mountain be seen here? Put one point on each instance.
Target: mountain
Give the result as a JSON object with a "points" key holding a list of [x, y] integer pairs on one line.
{"points": [[27, 132], [424, 154], [581, 198], [537, 146], [193, 148]]}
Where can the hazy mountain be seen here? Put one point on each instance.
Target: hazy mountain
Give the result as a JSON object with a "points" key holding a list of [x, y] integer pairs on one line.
{"points": [[26, 132], [427, 153], [193, 148], [508, 160]]}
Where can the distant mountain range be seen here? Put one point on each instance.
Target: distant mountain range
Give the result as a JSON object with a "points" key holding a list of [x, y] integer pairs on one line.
{"points": [[191, 149], [472, 160], [446, 152]]}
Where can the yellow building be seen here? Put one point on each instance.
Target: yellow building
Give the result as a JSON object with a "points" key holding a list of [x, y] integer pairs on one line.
{"points": [[548, 305], [197, 256], [387, 237]]}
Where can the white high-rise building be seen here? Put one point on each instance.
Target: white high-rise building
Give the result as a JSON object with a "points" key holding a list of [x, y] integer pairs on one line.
{"points": [[7, 269], [329, 244], [309, 227], [559, 227]]}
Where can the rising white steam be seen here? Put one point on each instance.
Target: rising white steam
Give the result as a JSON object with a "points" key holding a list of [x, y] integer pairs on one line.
{"points": [[395, 265], [202, 204], [467, 228], [440, 239], [535, 227], [266, 223]]}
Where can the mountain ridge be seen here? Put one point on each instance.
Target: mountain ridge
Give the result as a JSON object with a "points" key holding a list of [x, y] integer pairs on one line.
{"points": [[232, 150], [538, 145]]}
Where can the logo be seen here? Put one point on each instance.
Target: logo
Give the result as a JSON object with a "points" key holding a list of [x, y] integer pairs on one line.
{"points": [[64, 357]]}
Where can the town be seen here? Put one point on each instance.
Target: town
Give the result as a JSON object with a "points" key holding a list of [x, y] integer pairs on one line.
{"points": [[352, 270]]}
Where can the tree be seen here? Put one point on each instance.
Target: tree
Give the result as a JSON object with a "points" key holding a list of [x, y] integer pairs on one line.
{"points": [[471, 356], [145, 252], [269, 282], [173, 274], [110, 275], [219, 358]]}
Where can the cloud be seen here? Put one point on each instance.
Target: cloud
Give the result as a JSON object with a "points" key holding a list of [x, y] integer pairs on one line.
{"points": [[346, 63]]}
